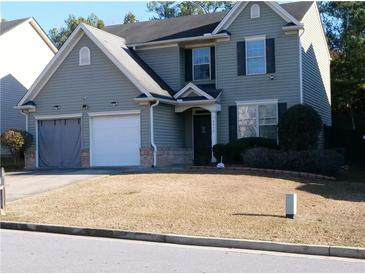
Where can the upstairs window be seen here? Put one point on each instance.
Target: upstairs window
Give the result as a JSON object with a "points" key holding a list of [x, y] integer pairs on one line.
{"points": [[255, 56], [255, 11], [84, 56], [201, 63]]}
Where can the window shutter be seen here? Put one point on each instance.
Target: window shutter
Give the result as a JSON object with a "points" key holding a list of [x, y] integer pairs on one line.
{"points": [[212, 62], [241, 58], [188, 65], [270, 55], [281, 110], [232, 123]]}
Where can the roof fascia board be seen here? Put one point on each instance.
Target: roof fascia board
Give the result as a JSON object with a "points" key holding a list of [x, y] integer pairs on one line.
{"points": [[195, 88], [52, 66], [283, 13], [178, 40], [41, 32], [230, 16]]}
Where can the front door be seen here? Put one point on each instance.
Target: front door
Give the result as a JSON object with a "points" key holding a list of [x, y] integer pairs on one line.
{"points": [[202, 139]]}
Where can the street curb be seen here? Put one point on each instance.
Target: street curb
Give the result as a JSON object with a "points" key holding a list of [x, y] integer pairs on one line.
{"points": [[323, 250]]}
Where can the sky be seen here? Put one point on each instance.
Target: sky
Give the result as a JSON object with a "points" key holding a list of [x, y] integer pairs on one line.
{"points": [[53, 14]]}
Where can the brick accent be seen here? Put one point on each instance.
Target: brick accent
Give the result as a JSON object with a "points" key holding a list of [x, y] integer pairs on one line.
{"points": [[85, 157], [29, 159], [166, 156]]}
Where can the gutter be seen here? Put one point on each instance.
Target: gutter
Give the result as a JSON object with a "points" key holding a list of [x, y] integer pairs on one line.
{"points": [[152, 133], [207, 36]]}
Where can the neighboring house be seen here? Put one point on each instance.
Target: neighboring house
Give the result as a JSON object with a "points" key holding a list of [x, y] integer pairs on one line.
{"points": [[164, 92], [24, 52]]}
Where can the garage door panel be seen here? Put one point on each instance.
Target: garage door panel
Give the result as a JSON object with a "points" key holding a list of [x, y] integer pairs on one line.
{"points": [[115, 140], [59, 143]]}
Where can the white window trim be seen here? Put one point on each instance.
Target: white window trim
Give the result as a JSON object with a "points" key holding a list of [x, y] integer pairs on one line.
{"points": [[192, 62], [257, 103], [255, 38], [89, 55], [259, 11]]}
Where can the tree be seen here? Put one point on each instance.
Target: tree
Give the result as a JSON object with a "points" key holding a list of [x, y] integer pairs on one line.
{"points": [[299, 128], [129, 18], [215, 6], [16, 140], [345, 27], [189, 8], [162, 9], [59, 36], [170, 9]]}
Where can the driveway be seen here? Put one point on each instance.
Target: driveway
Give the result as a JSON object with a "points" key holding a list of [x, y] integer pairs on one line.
{"points": [[26, 183]]}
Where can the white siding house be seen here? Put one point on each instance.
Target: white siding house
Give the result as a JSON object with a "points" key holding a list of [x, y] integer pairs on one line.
{"points": [[24, 52]]}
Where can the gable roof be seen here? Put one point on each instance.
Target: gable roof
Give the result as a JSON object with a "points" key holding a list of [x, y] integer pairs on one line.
{"points": [[173, 28], [5, 26], [193, 25], [114, 48]]}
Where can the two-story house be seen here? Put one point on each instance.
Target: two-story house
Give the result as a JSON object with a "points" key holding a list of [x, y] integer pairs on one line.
{"points": [[164, 92], [24, 52]]}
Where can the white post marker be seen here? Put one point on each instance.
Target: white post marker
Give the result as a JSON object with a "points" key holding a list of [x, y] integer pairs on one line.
{"points": [[2, 191], [290, 205]]}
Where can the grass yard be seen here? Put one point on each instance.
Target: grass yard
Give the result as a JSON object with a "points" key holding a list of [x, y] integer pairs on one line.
{"points": [[211, 204]]}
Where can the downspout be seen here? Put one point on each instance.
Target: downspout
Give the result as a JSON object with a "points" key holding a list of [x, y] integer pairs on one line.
{"points": [[152, 134], [301, 67], [26, 120]]}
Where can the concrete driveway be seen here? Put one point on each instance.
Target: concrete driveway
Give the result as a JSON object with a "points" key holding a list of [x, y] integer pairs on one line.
{"points": [[26, 183]]}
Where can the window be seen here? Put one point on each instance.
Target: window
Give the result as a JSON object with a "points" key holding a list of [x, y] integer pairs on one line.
{"points": [[255, 56], [255, 11], [201, 64], [257, 120], [84, 56]]}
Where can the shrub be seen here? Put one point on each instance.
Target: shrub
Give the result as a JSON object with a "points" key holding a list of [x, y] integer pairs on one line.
{"points": [[316, 161], [232, 151], [16, 140], [299, 128]]}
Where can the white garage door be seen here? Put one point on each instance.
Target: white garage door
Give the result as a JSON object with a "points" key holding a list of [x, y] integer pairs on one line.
{"points": [[115, 140]]}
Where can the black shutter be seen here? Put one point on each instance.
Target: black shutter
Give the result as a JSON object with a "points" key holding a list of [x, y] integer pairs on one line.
{"points": [[188, 65], [241, 58], [281, 110], [212, 62], [270, 55], [232, 123]]}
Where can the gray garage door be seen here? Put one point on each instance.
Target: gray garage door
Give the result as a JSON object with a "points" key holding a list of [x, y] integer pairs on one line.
{"points": [[59, 143]]}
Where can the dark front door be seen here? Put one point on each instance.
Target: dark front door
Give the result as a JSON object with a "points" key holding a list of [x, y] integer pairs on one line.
{"points": [[202, 139], [59, 143]]}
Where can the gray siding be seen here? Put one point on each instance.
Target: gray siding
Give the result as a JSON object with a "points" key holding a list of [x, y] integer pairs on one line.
{"points": [[285, 87], [169, 127], [166, 63], [316, 66], [11, 91], [96, 85]]}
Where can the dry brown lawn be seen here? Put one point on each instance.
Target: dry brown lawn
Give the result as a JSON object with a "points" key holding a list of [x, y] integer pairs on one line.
{"points": [[223, 205]]}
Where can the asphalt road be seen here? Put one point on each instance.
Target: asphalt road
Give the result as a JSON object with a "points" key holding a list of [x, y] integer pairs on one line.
{"points": [[43, 252]]}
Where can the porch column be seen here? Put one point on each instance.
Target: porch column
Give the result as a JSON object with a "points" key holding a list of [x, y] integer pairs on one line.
{"points": [[213, 119]]}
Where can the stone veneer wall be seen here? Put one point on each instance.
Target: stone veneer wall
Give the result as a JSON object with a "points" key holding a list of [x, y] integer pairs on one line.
{"points": [[166, 156], [85, 157], [29, 159]]}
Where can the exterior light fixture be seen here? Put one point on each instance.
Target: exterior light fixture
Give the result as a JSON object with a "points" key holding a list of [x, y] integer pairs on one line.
{"points": [[85, 107], [272, 77], [56, 107], [114, 104]]}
